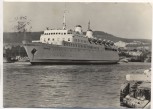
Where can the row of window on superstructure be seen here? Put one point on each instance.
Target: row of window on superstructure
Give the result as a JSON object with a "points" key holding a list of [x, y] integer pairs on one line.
{"points": [[56, 33], [81, 46], [77, 40], [53, 39]]}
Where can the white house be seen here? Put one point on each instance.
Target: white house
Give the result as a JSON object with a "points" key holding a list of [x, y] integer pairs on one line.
{"points": [[120, 44]]}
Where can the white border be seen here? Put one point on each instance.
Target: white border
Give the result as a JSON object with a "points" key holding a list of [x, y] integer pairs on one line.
{"points": [[1, 54], [1, 32], [149, 1]]}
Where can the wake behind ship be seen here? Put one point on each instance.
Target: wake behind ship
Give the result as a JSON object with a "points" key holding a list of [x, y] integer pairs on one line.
{"points": [[63, 46]]}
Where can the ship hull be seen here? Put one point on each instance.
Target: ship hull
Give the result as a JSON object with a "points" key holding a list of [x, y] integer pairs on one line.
{"points": [[55, 54], [71, 62]]}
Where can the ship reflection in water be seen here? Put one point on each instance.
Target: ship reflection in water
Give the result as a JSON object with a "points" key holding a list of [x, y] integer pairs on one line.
{"points": [[66, 86]]}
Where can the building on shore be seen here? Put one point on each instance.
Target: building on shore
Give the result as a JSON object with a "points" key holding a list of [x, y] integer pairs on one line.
{"points": [[120, 44]]}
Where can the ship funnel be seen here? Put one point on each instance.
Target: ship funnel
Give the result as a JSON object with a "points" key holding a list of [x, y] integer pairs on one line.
{"points": [[78, 29], [89, 32]]}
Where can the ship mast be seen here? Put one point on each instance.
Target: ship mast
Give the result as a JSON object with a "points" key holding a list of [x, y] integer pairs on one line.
{"points": [[64, 21], [89, 25]]}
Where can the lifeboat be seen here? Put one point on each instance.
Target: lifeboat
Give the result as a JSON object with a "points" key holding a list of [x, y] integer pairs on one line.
{"points": [[99, 41], [104, 41]]}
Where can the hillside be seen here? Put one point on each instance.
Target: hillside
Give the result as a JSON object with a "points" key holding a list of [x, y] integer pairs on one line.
{"points": [[12, 37], [107, 36]]}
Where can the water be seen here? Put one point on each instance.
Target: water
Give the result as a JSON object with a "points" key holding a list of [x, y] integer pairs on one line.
{"points": [[65, 85]]}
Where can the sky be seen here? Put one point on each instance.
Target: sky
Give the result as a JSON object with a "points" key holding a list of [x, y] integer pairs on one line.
{"points": [[126, 20]]}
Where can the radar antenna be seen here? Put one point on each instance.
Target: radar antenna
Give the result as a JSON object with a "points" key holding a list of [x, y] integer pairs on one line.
{"points": [[89, 25]]}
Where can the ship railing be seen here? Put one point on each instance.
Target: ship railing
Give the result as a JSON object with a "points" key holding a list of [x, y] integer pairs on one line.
{"points": [[36, 41]]}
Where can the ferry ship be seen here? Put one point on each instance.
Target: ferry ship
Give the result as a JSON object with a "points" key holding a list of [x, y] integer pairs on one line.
{"points": [[64, 46]]}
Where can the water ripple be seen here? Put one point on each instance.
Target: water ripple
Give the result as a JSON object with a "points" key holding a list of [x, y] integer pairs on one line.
{"points": [[65, 86]]}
